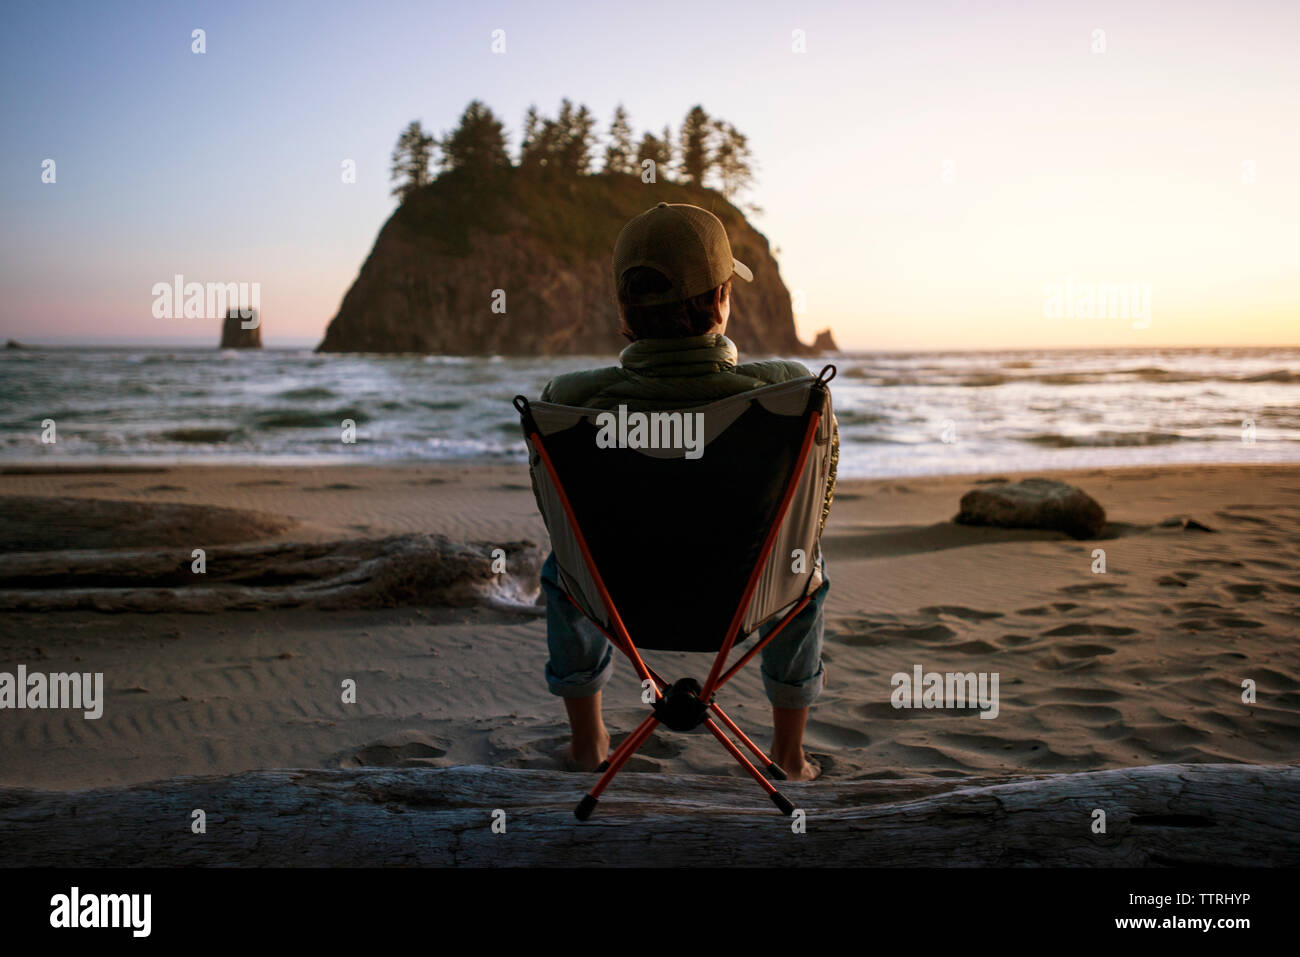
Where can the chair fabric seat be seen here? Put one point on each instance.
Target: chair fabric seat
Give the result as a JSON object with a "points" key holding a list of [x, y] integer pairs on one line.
{"points": [[675, 538]]}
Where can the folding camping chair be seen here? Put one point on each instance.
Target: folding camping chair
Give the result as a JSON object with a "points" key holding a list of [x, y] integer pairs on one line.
{"points": [[688, 553]]}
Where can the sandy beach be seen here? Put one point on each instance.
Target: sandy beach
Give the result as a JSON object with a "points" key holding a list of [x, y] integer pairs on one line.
{"points": [[1140, 665]]}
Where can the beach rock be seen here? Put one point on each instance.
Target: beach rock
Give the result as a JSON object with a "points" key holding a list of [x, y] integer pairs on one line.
{"points": [[1034, 503], [825, 342], [519, 263], [14, 344], [235, 336]]}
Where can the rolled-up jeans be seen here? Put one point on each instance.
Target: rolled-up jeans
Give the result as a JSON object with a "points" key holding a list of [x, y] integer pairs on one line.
{"points": [[582, 659]]}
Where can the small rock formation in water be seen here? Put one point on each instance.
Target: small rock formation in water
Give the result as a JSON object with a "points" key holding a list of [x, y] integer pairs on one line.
{"points": [[825, 342], [235, 336]]}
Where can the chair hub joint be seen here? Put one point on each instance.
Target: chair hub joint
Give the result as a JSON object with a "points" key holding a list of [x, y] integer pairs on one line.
{"points": [[681, 708]]}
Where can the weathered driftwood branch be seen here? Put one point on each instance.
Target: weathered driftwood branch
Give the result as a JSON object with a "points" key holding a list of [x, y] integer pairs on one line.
{"points": [[396, 571], [1239, 815], [35, 523]]}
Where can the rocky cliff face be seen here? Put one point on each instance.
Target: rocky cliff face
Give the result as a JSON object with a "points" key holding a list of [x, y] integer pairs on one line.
{"points": [[460, 251]]}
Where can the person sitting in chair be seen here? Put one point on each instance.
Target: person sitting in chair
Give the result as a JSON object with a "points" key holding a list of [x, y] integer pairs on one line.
{"points": [[673, 271]]}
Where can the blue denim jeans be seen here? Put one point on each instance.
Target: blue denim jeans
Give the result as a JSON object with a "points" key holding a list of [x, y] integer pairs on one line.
{"points": [[582, 659]]}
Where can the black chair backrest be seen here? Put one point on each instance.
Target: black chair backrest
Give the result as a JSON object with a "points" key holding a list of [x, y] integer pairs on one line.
{"points": [[675, 539]]}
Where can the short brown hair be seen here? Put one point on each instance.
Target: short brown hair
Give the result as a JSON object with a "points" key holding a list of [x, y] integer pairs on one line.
{"points": [[673, 320]]}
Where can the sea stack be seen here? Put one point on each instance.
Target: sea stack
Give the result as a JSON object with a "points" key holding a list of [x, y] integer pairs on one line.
{"points": [[521, 264], [234, 335], [825, 342]]}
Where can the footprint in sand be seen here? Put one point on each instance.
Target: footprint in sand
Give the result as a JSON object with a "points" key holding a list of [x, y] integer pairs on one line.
{"points": [[824, 761], [1234, 622], [1275, 681], [410, 755], [1060, 713], [1014, 641], [937, 761], [881, 711], [1060, 661], [881, 636], [1082, 628], [1251, 519], [1244, 591], [1083, 695], [656, 746], [553, 754], [1090, 588], [824, 734], [1079, 611], [1085, 651], [958, 611], [974, 647]]}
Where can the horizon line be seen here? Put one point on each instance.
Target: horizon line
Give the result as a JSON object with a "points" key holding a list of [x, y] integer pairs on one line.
{"points": [[292, 345]]}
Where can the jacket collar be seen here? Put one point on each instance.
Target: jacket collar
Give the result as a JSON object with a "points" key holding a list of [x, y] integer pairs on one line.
{"points": [[694, 355]]}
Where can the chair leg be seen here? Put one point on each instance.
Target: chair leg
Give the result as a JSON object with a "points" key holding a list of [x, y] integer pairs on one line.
{"points": [[632, 743], [779, 799], [625, 743], [625, 751], [771, 766]]}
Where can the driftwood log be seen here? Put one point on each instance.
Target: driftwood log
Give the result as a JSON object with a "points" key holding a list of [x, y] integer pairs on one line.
{"points": [[1184, 814], [397, 571]]}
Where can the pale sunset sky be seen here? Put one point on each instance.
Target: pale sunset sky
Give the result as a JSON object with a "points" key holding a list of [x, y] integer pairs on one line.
{"points": [[928, 170]]}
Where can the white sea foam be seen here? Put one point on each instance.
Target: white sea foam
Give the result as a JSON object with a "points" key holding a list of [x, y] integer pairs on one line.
{"points": [[899, 414]]}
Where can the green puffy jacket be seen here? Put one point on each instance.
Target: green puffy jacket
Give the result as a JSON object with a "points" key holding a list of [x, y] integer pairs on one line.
{"points": [[658, 374]]}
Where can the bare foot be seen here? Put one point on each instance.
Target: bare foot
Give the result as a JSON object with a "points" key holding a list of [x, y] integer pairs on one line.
{"points": [[590, 743], [809, 771], [589, 756], [802, 769]]}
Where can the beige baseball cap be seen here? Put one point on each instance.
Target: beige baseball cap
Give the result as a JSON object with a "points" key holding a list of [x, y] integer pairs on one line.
{"points": [[686, 243]]}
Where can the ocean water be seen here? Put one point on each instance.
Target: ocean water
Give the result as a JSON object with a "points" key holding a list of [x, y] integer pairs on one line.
{"points": [[899, 414]]}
